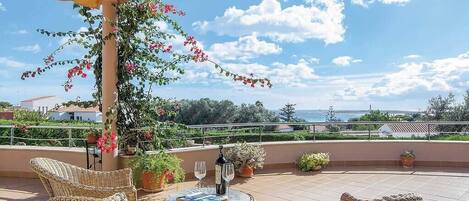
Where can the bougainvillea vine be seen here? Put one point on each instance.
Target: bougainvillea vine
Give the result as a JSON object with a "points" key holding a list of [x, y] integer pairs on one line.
{"points": [[146, 57]]}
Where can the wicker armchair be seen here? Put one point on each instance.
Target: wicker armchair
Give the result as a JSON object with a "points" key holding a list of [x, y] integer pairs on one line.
{"points": [[62, 179], [398, 197], [115, 197]]}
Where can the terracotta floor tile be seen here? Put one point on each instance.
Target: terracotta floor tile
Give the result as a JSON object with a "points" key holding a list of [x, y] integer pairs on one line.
{"points": [[442, 184]]}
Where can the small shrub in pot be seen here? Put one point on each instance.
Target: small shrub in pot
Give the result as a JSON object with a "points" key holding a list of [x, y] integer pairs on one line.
{"points": [[246, 158], [313, 161], [155, 170], [408, 158]]}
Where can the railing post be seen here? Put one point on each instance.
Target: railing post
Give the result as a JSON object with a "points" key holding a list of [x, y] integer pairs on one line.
{"points": [[260, 134], [428, 131], [69, 137], [369, 132], [12, 134], [314, 132], [203, 137]]}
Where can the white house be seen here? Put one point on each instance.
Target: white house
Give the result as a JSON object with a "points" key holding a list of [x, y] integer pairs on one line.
{"points": [[317, 129], [76, 113], [407, 130], [283, 128], [41, 104]]}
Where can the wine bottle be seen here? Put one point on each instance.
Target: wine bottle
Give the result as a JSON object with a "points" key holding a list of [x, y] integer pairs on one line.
{"points": [[220, 183]]}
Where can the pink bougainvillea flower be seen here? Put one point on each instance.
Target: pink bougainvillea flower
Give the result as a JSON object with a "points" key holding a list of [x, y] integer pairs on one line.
{"points": [[107, 143], [130, 67]]}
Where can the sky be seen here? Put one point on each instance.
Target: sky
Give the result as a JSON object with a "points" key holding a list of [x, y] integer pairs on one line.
{"points": [[391, 54]]}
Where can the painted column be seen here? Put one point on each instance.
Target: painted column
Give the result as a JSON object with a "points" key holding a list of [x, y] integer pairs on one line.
{"points": [[109, 73]]}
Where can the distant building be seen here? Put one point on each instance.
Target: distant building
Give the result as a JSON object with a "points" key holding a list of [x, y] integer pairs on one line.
{"points": [[407, 130], [77, 113], [283, 128], [317, 128], [41, 104]]}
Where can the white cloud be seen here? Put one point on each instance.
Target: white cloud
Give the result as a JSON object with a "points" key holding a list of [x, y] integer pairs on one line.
{"points": [[245, 48], [317, 19], [412, 56], [313, 60], [22, 31], [2, 7], [363, 3], [29, 48], [19, 32], [366, 3], [345, 60], [298, 74], [192, 75], [4, 61], [401, 2], [442, 75]]}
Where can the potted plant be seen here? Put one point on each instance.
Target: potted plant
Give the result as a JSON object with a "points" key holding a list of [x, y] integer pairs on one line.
{"points": [[92, 136], [408, 158], [246, 158], [313, 161], [155, 170], [131, 150]]}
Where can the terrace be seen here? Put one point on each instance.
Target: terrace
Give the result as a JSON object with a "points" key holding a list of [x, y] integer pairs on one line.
{"points": [[131, 47], [288, 184], [365, 164]]}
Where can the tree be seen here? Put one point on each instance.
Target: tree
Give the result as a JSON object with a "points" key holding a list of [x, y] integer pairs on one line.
{"points": [[205, 111], [330, 116], [377, 115], [439, 107], [254, 113], [287, 112], [456, 112], [4, 104]]}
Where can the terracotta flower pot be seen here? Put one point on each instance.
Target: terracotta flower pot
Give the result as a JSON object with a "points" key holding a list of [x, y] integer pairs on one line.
{"points": [[91, 138], [317, 168], [152, 182], [407, 162], [246, 171], [130, 150]]}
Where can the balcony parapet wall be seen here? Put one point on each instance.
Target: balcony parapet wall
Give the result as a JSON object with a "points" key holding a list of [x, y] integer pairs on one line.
{"points": [[14, 160]]}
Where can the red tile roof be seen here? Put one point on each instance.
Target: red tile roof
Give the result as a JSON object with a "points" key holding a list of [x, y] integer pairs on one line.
{"points": [[74, 108], [412, 128]]}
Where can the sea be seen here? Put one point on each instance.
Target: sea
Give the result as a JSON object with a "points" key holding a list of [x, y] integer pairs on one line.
{"points": [[346, 115]]}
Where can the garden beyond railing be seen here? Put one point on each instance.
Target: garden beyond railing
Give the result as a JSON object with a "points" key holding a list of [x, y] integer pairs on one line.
{"points": [[201, 135]]}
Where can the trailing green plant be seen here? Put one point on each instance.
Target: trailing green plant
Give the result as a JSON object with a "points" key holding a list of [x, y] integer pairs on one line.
{"points": [[246, 154], [158, 163], [313, 161], [26, 115], [408, 153], [94, 131]]}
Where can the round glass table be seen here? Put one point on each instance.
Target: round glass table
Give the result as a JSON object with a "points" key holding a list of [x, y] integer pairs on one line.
{"points": [[233, 195]]}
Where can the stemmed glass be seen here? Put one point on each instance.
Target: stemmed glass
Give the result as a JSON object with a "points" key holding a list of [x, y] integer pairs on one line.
{"points": [[228, 174], [200, 171]]}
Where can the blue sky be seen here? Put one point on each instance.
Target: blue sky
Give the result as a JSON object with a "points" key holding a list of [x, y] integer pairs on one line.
{"points": [[392, 54]]}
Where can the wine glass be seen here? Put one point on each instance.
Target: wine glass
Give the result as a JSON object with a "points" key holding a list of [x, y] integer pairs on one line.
{"points": [[228, 174], [200, 171]]}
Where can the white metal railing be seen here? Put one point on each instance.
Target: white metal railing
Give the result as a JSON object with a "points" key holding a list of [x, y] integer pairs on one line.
{"points": [[203, 128], [69, 129], [327, 123]]}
